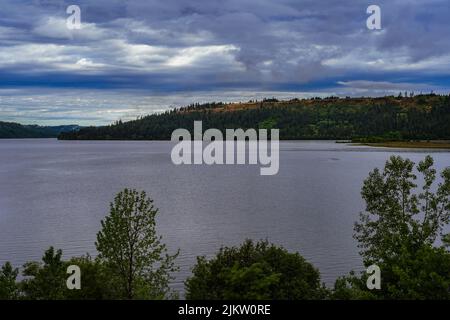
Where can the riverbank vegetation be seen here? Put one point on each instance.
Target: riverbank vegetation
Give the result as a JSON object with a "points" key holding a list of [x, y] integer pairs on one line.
{"points": [[401, 232], [411, 144]]}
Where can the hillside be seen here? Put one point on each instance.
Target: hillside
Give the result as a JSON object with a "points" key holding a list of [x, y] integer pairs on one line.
{"points": [[11, 130], [362, 119]]}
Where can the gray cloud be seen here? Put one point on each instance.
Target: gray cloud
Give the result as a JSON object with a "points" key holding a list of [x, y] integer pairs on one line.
{"points": [[173, 48]]}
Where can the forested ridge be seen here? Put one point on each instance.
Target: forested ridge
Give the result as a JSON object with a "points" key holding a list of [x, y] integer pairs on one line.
{"points": [[390, 118], [12, 130]]}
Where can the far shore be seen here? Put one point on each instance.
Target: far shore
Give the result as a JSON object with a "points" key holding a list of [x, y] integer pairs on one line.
{"points": [[410, 144]]}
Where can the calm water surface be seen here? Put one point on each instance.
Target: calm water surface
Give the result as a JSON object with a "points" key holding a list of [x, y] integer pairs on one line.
{"points": [[56, 192]]}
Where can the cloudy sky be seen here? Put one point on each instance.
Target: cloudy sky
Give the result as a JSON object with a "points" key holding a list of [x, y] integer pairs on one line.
{"points": [[136, 57]]}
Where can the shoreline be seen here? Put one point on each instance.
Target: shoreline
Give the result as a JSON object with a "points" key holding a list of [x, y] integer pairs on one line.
{"points": [[433, 144], [409, 144]]}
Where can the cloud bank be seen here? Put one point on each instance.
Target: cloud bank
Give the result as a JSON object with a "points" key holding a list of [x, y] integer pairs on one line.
{"points": [[139, 56]]}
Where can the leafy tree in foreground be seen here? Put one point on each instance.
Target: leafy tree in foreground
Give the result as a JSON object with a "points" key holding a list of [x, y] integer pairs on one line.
{"points": [[45, 281], [8, 286], [97, 280], [254, 271], [129, 246], [399, 230]]}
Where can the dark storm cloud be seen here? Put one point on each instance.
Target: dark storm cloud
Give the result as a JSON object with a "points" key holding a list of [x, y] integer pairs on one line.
{"points": [[170, 46]]}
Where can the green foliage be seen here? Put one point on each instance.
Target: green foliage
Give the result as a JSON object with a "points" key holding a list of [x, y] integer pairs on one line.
{"points": [[254, 271], [47, 280], [97, 280], [398, 232], [422, 274], [14, 130], [8, 285], [446, 240], [253, 282], [386, 137], [268, 124], [423, 117], [129, 246], [352, 287], [397, 216]]}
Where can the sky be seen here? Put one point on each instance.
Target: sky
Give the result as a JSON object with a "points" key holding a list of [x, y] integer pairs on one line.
{"points": [[136, 57]]}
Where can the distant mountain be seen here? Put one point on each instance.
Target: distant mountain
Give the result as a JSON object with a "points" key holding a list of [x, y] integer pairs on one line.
{"points": [[12, 130], [390, 118]]}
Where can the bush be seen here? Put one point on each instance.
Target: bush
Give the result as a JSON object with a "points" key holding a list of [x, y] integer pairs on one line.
{"points": [[254, 271]]}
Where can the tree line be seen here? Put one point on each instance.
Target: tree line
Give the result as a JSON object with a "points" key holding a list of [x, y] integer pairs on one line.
{"points": [[401, 231], [12, 130], [421, 117]]}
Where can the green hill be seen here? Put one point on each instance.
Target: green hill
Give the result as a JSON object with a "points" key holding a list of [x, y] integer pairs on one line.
{"points": [[362, 119], [11, 130]]}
